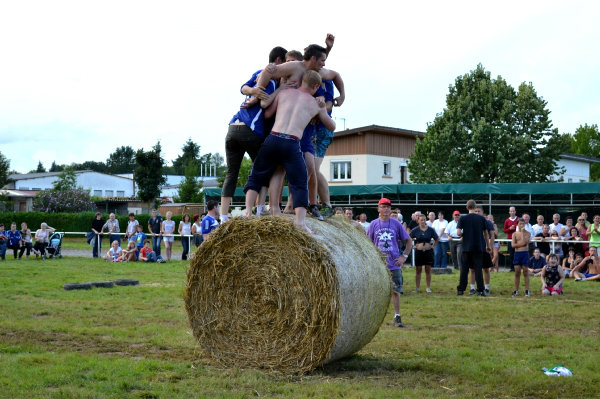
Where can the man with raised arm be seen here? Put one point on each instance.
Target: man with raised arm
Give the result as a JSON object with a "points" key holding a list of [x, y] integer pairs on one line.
{"points": [[295, 108]]}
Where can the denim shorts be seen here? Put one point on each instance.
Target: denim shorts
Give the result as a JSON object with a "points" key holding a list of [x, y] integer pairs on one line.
{"points": [[323, 139]]}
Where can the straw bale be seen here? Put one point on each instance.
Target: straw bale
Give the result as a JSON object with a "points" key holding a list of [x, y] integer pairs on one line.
{"points": [[262, 294]]}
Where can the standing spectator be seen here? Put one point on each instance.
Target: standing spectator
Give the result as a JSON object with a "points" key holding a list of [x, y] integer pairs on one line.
{"points": [[97, 226], [385, 233], [487, 263], [185, 230], [3, 242], [210, 223], [556, 245], [582, 232], [542, 240], [26, 241], [441, 249], [537, 228], [556, 225], [197, 230], [496, 247], [348, 215], [131, 227], [529, 229], [425, 239], [167, 229], [154, 224], [41, 239], [414, 221], [593, 232], [573, 235], [363, 221], [567, 227], [455, 240], [584, 216], [14, 238], [520, 243], [471, 227], [112, 226], [552, 277], [431, 219], [510, 226], [338, 211]]}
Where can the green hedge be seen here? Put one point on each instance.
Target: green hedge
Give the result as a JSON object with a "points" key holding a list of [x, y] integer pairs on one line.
{"points": [[69, 221]]}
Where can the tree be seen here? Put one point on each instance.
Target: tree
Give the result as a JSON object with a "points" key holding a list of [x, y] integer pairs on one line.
{"points": [[245, 169], [189, 189], [212, 164], [4, 167], [189, 152], [148, 173], [67, 180], [90, 165], [586, 141], [40, 168], [488, 133], [121, 161], [55, 167]]}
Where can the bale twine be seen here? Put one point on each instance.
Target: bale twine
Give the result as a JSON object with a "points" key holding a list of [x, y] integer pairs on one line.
{"points": [[262, 294]]}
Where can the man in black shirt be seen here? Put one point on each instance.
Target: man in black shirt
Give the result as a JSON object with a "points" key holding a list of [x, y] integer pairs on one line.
{"points": [[154, 224], [474, 231], [97, 225]]}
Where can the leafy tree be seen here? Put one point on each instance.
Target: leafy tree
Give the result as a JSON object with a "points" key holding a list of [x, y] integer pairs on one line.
{"points": [[121, 161], [488, 133], [66, 181], [189, 152], [90, 165], [40, 168], [148, 173], [73, 201], [55, 167], [190, 188], [4, 167], [586, 141], [245, 169], [212, 163]]}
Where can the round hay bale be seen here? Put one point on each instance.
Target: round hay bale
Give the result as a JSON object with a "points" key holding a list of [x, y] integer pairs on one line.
{"points": [[263, 294]]}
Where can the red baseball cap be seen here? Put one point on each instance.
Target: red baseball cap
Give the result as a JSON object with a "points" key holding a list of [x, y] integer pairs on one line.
{"points": [[456, 213], [384, 201]]}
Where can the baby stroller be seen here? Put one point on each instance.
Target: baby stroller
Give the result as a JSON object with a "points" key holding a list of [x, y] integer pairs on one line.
{"points": [[54, 245]]}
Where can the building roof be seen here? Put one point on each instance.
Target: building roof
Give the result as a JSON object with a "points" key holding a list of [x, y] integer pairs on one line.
{"points": [[379, 129], [578, 157], [28, 176], [19, 193]]}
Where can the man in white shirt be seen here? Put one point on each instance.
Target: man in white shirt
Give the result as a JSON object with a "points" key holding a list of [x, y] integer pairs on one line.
{"points": [[557, 225], [363, 221], [537, 228], [455, 241], [440, 251]]}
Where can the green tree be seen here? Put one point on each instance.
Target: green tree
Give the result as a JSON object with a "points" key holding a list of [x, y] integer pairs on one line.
{"points": [[148, 173], [488, 133], [189, 152], [66, 181], [55, 167], [586, 141], [40, 168], [190, 189], [4, 167], [121, 161], [245, 169], [212, 164], [90, 165]]}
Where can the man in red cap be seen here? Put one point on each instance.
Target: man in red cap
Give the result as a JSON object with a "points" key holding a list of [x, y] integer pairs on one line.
{"points": [[385, 232], [455, 241]]}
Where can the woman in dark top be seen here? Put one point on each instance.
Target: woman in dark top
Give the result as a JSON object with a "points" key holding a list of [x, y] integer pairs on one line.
{"points": [[425, 239], [573, 235], [97, 225]]}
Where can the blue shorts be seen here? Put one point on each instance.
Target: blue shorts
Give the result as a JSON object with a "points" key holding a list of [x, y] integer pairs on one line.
{"points": [[397, 279], [521, 258], [306, 142], [588, 275], [323, 139]]}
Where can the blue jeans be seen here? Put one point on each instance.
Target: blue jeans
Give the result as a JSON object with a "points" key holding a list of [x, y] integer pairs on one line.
{"points": [[3, 250], [156, 240], [97, 246], [185, 241], [152, 257], [440, 254]]}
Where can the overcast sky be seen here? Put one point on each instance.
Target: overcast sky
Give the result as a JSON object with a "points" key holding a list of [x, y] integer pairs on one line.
{"points": [[78, 79]]}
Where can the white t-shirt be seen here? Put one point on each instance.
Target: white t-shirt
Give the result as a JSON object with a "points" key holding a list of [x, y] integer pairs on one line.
{"points": [[186, 228], [439, 225]]}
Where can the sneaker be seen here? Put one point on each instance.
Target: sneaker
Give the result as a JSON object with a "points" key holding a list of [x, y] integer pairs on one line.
{"points": [[515, 293], [527, 293], [481, 293], [314, 210], [326, 211], [472, 292], [428, 290], [580, 279], [398, 321], [487, 291], [417, 290]]}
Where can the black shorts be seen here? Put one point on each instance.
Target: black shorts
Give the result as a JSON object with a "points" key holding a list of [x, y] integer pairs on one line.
{"points": [[424, 258], [487, 260]]}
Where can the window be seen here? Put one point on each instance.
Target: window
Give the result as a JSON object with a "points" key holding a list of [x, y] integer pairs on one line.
{"points": [[570, 180], [341, 170], [120, 193], [109, 193], [387, 169], [98, 193]]}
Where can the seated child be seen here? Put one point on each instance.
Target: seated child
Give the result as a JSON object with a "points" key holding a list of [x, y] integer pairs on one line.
{"points": [[536, 262], [148, 255], [114, 253], [552, 277], [129, 254]]}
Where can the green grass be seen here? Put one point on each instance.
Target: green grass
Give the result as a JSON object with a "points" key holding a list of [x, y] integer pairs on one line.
{"points": [[135, 341]]}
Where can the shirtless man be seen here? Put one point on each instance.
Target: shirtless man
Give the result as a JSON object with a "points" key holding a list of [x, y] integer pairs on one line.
{"points": [[520, 243], [314, 59], [295, 108], [593, 267]]}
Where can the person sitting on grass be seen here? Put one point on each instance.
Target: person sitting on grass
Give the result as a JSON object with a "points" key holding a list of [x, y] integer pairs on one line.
{"points": [[129, 254], [536, 263], [148, 255], [114, 252], [570, 261], [589, 267], [552, 276]]}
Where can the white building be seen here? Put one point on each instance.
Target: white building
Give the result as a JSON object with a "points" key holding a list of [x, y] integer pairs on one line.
{"points": [[577, 168]]}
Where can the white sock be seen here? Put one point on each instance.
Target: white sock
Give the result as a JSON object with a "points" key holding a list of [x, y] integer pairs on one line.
{"points": [[224, 218], [487, 286], [259, 209], [397, 314], [472, 286]]}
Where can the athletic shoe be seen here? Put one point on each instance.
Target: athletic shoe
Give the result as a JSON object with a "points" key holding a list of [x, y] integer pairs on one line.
{"points": [[487, 291], [580, 279], [428, 290], [515, 293], [527, 293], [481, 293], [326, 211], [314, 210], [472, 292], [460, 293], [417, 290], [398, 321]]}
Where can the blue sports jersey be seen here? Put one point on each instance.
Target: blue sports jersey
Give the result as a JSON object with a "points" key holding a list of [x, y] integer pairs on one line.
{"points": [[253, 117], [328, 97], [252, 81], [209, 224]]}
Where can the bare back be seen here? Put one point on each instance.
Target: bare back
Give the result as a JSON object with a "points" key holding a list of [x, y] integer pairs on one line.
{"points": [[295, 109]]}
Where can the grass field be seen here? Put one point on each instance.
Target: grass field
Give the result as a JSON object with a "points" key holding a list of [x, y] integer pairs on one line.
{"points": [[135, 341]]}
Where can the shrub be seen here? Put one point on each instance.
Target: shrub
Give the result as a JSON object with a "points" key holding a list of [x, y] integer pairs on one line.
{"points": [[63, 201]]}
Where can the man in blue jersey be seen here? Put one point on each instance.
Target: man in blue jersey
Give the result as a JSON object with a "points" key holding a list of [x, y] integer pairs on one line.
{"points": [[295, 108], [246, 131], [210, 223]]}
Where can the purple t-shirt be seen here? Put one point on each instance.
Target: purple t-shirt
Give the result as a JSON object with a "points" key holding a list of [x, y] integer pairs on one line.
{"points": [[385, 236]]}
